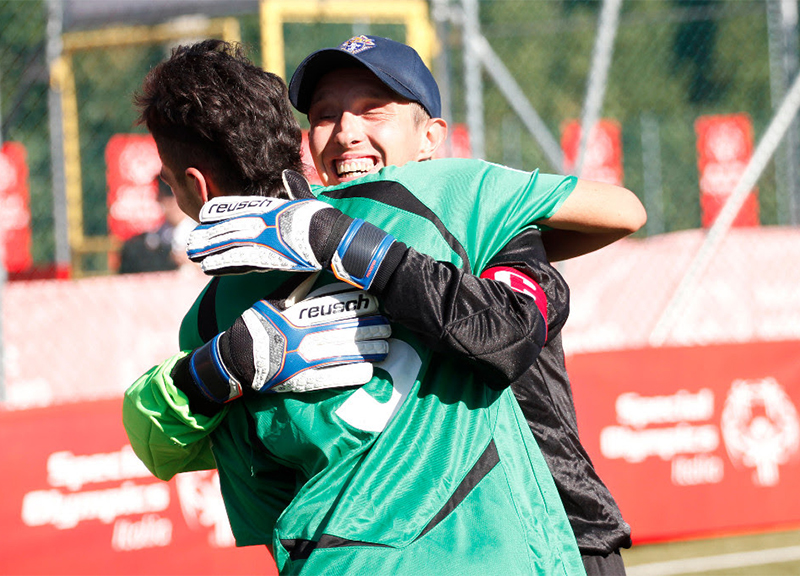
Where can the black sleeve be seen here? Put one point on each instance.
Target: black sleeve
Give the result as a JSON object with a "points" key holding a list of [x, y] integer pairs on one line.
{"points": [[525, 252], [485, 321], [182, 379]]}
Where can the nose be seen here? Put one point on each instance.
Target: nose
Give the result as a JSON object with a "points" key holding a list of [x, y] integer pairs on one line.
{"points": [[349, 129]]}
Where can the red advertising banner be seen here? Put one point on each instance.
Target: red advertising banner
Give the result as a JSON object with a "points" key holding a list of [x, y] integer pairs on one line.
{"points": [[694, 441], [724, 147], [459, 145], [15, 207], [76, 500], [132, 166], [603, 160]]}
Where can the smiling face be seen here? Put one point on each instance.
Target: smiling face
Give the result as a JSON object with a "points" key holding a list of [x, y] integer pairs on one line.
{"points": [[358, 126]]}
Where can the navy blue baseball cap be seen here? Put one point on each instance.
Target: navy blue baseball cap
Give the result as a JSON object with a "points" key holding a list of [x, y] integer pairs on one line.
{"points": [[397, 65]]}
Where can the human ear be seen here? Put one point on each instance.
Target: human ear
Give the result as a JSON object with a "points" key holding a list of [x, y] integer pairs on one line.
{"points": [[198, 185], [196, 191], [432, 137]]}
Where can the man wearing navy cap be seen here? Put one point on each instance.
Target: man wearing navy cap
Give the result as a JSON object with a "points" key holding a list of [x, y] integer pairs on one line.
{"points": [[396, 65], [372, 102], [352, 78]]}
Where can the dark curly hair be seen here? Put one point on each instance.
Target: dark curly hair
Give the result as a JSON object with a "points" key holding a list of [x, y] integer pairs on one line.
{"points": [[210, 107]]}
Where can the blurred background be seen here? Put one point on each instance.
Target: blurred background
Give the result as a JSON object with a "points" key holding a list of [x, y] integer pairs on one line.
{"points": [[683, 342]]}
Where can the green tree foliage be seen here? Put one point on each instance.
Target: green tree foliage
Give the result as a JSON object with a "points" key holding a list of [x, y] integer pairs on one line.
{"points": [[24, 82], [673, 61]]}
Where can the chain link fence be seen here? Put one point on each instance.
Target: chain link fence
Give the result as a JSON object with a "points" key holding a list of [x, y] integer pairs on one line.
{"points": [[514, 72], [673, 62], [24, 82]]}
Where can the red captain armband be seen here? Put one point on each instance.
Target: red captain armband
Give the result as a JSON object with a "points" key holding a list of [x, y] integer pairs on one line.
{"points": [[519, 282]]}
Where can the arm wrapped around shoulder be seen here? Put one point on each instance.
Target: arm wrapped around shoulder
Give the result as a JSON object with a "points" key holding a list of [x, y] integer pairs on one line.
{"points": [[328, 340], [239, 234]]}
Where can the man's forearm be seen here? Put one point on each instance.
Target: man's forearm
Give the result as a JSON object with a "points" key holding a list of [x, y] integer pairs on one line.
{"points": [[594, 215], [565, 244], [482, 320]]}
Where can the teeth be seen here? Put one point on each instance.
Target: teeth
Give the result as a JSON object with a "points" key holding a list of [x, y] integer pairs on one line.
{"points": [[354, 165]]}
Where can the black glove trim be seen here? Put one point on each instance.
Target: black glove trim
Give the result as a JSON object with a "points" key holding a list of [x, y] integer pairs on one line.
{"points": [[183, 381], [361, 250], [210, 374], [390, 263], [327, 229]]}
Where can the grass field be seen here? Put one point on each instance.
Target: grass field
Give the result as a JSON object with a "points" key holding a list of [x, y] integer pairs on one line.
{"points": [[766, 554]]}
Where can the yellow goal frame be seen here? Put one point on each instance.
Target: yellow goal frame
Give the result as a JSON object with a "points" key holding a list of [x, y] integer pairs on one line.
{"points": [[62, 78], [413, 14]]}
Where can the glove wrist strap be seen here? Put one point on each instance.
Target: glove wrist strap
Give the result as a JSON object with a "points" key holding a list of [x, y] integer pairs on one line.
{"points": [[210, 374], [327, 229], [360, 253]]}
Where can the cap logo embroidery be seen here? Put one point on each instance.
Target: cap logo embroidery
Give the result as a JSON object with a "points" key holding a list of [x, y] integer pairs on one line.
{"points": [[357, 44]]}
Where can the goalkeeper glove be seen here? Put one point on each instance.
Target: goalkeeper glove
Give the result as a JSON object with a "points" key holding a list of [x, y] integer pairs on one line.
{"points": [[325, 341], [243, 234]]}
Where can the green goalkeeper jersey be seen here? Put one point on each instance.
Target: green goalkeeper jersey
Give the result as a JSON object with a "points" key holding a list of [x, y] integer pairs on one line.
{"points": [[426, 469]]}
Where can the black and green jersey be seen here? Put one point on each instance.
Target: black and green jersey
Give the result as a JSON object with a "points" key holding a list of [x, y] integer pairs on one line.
{"points": [[425, 469]]}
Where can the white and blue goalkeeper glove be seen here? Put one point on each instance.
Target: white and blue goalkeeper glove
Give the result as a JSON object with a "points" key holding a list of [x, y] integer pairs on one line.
{"points": [[327, 340], [240, 234]]}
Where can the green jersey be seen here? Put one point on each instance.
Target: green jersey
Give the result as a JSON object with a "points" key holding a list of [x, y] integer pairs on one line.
{"points": [[426, 468]]}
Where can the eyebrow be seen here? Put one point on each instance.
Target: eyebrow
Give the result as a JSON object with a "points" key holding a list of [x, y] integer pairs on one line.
{"points": [[372, 92]]}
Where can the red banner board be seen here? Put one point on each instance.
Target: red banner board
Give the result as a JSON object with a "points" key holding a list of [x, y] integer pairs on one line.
{"points": [[76, 500], [724, 147], [132, 166], [697, 440], [15, 207], [603, 160], [458, 145]]}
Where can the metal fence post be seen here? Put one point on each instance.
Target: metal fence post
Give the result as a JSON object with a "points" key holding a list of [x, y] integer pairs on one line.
{"points": [[55, 15], [598, 74], [473, 80]]}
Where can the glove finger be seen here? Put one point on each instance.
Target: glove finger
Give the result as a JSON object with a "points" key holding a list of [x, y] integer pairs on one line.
{"points": [[341, 333], [296, 185], [249, 258], [373, 327], [340, 376], [314, 349], [208, 239]]}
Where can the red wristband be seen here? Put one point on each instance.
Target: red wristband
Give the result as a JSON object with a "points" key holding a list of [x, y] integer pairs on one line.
{"points": [[519, 282]]}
